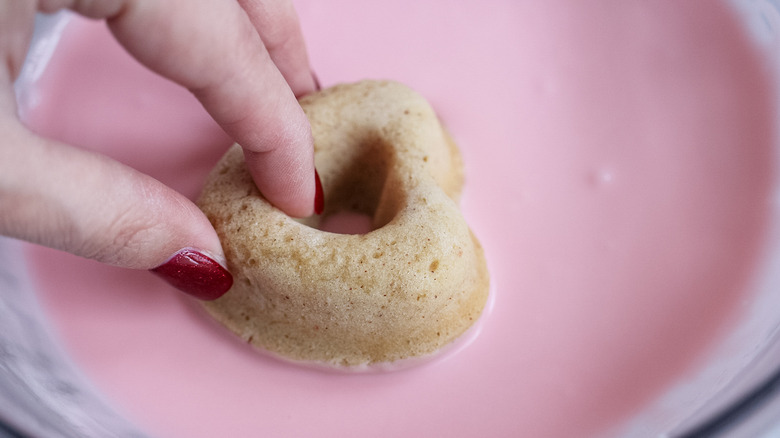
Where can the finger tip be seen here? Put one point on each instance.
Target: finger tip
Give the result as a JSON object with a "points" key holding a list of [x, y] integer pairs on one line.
{"points": [[299, 211], [309, 203], [316, 79], [296, 196], [309, 85]]}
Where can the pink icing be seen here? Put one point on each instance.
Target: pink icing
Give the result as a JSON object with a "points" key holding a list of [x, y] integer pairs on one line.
{"points": [[619, 162]]}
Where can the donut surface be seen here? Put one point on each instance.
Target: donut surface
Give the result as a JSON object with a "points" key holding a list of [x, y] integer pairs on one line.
{"points": [[407, 288]]}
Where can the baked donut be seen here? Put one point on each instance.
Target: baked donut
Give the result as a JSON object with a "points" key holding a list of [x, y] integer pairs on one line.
{"points": [[405, 289]]}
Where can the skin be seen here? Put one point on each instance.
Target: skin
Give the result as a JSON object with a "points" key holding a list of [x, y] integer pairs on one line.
{"points": [[244, 60]]}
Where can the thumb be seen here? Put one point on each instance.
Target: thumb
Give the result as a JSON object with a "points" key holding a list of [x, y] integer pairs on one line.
{"points": [[87, 204]]}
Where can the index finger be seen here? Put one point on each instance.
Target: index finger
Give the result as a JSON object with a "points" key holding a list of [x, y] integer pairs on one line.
{"points": [[212, 48]]}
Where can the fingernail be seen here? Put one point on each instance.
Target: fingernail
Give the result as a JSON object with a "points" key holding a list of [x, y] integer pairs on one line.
{"points": [[317, 86], [319, 196], [196, 274]]}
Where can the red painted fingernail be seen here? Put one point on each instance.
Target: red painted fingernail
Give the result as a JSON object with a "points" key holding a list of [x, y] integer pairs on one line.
{"points": [[319, 196], [194, 273]]}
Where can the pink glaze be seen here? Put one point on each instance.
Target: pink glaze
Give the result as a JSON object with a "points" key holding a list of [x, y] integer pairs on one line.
{"points": [[619, 164]]}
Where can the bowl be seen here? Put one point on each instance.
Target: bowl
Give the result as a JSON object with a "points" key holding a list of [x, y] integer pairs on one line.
{"points": [[729, 388]]}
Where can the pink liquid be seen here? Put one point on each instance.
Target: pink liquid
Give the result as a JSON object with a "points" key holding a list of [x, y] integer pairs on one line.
{"points": [[619, 165]]}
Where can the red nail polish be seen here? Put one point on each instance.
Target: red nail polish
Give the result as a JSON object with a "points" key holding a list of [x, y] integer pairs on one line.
{"points": [[319, 196], [194, 273]]}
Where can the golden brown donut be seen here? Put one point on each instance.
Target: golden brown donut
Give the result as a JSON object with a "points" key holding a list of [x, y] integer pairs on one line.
{"points": [[407, 288]]}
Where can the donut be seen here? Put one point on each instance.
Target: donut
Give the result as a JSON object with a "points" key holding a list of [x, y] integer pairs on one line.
{"points": [[410, 286]]}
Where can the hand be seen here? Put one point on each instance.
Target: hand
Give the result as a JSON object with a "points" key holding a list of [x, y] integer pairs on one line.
{"points": [[244, 60]]}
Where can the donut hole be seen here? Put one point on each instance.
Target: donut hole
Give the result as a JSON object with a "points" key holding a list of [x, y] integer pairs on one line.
{"points": [[347, 222], [353, 180]]}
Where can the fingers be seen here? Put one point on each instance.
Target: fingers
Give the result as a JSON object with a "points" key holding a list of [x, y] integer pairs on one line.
{"points": [[16, 20], [86, 204], [88, 8], [277, 24], [89, 205], [212, 48], [216, 49]]}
